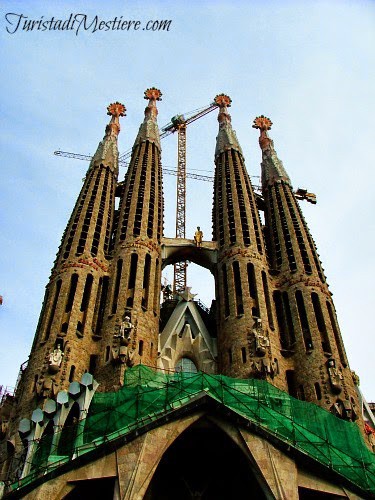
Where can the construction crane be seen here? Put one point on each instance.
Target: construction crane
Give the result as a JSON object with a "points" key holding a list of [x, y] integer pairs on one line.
{"points": [[178, 124]]}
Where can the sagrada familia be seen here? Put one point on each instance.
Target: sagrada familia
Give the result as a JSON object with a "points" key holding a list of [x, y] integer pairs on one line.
{"points": [[125, 397]]}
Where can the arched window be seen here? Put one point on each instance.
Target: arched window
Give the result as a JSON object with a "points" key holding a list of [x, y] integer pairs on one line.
{"points": [[186, 365]]}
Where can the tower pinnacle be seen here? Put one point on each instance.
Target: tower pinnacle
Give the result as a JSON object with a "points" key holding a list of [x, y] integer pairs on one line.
{"points": [[116, 109], [226, 138], [148, 131], [107, 152], [272, 168]]}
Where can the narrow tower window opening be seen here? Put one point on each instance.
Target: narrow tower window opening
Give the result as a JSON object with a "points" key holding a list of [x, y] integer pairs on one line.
{"points": [[243, 354], [101, 299], [304, 321], [321, 323], [337, 335], [291, 382], [146, 282], [281, 320], [289, 319], [140, 348], [226, 295], [93, 363], [268, 301], [87, 292], [238, 288], [133, 270], [107, 353], [117, 286], [72, 291], [252, 282], [318, 391], [72, 373], [53, 309]]}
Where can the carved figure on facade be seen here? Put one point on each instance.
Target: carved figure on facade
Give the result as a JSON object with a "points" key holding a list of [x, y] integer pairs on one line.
{"points": [[55, 360], [123, 354], [198, 237], [260, 340], [335, 377], [46, 388]]}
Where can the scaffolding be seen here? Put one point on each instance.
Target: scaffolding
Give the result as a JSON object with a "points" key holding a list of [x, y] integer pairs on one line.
{"points": [[148, 395]]}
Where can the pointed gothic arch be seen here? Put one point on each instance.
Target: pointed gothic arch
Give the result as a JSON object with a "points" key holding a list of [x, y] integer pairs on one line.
{"points": [[204, 463]]}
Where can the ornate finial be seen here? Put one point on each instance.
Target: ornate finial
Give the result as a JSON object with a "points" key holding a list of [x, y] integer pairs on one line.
{"points": [[223, 100], [262, 122], [153, 93], [116, 109]]}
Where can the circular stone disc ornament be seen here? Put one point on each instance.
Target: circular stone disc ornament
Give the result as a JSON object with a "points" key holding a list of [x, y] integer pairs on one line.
{"points": [[116, 109], [153, 93], [262, 122], [223, 100]]}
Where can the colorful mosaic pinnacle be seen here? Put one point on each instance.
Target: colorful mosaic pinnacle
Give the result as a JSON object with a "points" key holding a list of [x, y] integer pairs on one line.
{"points": [[223, 100], [153, 93], [262, 123], [116, 109]]}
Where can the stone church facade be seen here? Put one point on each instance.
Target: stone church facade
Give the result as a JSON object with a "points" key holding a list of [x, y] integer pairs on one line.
{"points": [[272, 330]]}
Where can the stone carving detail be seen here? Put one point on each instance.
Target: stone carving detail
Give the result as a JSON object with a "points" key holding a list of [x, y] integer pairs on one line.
{"points": [[140, 243], [122, 353], [55, 360], [344, 409], [290, 281], [243, 252], [260, 340], [46, 388], [263, 368], [355, 378], [335, 376], [82, 263]]}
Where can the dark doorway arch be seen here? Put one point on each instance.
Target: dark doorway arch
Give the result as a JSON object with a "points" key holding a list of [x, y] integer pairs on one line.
{"points": [[204, 463], [69, 432]]}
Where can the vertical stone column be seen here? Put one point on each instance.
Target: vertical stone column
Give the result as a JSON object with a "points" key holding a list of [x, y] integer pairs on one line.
{"points": [[245, 318], [131, 326], [316, 367], [65, 344]]}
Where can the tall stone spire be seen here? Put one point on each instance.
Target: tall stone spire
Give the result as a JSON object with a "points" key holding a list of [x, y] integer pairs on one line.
{"points": [[107, 151], [272, 168], [314, 360], [245, 320], [134, 291], [149, 130], [64, 347], [226, 138]]}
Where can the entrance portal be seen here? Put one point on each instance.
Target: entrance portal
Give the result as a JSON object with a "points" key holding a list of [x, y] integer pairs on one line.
{"points": [[204, 463]]}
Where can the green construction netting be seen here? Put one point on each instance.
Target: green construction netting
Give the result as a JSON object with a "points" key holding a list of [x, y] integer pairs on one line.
{"points": [[148, 395]]}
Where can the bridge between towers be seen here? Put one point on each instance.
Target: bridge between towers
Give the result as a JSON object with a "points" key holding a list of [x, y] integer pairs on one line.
{"points": [[181, 249]]}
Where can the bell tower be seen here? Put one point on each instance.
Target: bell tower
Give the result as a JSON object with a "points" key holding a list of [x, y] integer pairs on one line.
{"points": [[65, 344], [316, 366], [131, 327], [246, 342]]}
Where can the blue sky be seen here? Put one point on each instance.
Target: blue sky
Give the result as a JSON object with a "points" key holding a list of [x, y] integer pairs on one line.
{"points": [[308, 65]]}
